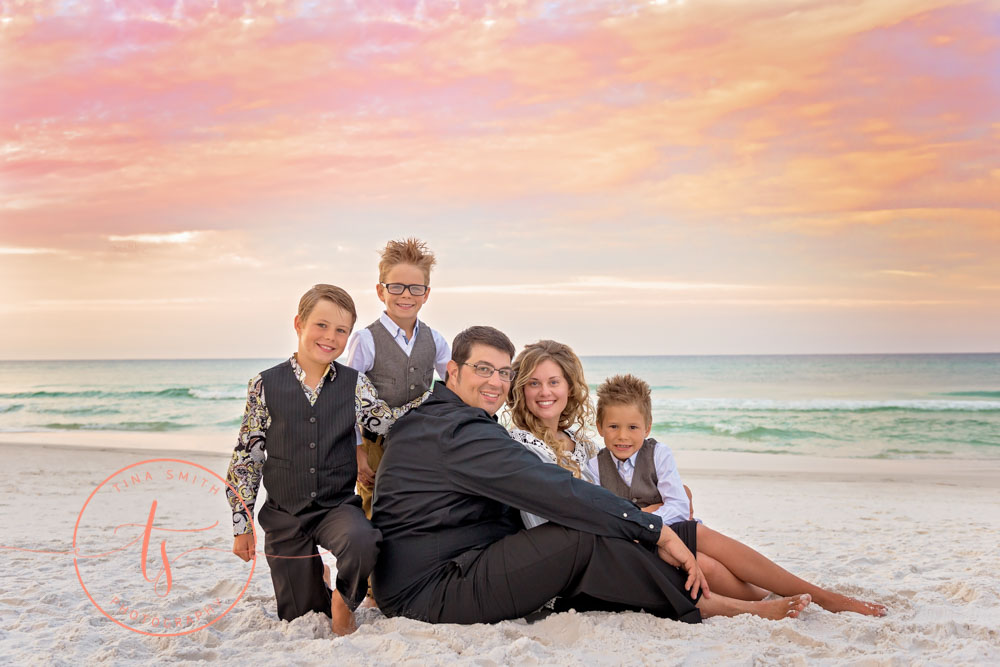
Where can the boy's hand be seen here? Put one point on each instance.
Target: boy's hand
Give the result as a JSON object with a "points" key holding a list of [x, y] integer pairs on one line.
{"points": [[690, 502], [651, 508], [366, 476], [243, 546], [674, 552]]}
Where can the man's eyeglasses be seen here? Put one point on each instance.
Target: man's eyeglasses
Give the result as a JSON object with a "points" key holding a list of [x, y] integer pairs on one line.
{"points": [[399, 288], [487, 371]]}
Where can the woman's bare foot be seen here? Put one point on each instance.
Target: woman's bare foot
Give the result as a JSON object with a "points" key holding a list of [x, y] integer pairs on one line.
{"points": [[781, 608], [342, 618], [326, 576], [836, 602], [369, 603], [789, 607]]}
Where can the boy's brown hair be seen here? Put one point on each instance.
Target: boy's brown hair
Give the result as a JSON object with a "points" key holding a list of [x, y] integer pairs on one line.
{"points": [[408, 251], [332, 293], [625, 390]]}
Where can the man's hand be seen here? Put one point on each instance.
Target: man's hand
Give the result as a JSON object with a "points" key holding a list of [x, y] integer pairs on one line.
{"points": [[366, 476], [690, 502], [673, 551], [244, 547]]}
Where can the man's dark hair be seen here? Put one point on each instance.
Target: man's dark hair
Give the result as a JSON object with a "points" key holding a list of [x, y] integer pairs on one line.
{"points": [[461, 347]]}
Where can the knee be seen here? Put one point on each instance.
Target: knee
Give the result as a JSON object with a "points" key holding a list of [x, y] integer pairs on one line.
{"points": [[709, 566], [364, 539]]}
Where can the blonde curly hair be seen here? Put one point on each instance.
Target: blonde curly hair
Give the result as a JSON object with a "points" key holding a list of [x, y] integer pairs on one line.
{"points": [[578, 411]]}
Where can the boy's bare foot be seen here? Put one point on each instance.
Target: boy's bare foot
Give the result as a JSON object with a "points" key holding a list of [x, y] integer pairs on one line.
{"points": [[781, 608], [342, 618], [369, 603], [837, 603]]}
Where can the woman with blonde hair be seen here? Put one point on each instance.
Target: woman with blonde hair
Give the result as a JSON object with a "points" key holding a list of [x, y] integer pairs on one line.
{"points": [[550, 409], [550, 406]]}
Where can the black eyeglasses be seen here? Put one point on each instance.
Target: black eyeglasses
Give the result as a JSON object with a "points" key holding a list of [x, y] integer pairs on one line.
{"points": [[487, 371], [399, 288]]}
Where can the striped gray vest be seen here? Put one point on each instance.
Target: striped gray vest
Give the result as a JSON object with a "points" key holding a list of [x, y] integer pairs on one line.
{"points": [[311, 453]]}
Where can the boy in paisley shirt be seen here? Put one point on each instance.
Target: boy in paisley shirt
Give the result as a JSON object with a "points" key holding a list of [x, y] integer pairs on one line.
{"points": [[299, 434]]}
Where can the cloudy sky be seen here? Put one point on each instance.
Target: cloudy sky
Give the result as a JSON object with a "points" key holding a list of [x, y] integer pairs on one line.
{"points": [[699, 177]]}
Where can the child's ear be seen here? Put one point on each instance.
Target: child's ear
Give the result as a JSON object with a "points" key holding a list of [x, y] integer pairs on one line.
{"points": [[600, 428], [380, 291], [297, 323], [649, 429]]}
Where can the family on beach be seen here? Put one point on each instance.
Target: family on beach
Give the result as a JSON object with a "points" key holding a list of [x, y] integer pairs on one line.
{"points": [[449, 517]]}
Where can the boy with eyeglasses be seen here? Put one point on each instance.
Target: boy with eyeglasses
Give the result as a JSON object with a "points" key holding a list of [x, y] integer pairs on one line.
{"points": [[397, 352]]}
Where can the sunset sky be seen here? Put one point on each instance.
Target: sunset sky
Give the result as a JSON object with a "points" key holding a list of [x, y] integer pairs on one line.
{"points": [[699, 177]]}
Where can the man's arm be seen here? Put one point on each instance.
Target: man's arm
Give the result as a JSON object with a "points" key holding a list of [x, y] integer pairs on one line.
{"points": [[482, 459], [246, 467]]}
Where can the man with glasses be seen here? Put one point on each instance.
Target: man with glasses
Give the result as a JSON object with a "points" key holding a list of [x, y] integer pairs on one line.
{"points": [[454, 549]]}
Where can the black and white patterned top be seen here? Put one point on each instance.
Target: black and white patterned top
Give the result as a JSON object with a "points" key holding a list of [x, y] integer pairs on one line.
{"points": [[584, 449], [247, 464]]}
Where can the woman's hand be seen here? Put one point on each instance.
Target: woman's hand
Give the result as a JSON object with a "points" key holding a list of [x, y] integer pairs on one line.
{"points": [[674, 552], [366, 476], [243, 546], [651, 508]]}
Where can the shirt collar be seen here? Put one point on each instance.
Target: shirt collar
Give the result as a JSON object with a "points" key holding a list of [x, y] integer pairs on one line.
{"points": [[393, 328], [300, 373], [442, 392]]}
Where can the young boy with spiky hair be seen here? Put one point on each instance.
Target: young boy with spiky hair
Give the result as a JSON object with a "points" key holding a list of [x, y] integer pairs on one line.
{"points": [[397, 352]]}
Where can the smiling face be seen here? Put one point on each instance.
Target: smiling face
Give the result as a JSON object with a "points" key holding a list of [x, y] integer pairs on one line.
{"points": [[623, 428], [403, 308], [546, 393], [323, 335], [479, 392]]}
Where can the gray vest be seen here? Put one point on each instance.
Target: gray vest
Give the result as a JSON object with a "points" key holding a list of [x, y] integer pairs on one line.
{"points": [[397, 378], [310, 448], [643, 490]]}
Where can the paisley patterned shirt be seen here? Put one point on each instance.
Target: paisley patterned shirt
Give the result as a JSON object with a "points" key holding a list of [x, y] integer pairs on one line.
{"points": [[583, 450], [247, 464]]}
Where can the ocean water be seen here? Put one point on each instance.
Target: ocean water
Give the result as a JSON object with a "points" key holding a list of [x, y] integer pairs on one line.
{"points": [[869, 406]]}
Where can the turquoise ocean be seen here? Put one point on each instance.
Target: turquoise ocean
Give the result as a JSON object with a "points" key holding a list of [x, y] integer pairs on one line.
{"points": [[867, 406]]}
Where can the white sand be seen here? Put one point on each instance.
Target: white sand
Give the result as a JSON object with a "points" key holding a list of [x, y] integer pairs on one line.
{"points": [[919, 536]]}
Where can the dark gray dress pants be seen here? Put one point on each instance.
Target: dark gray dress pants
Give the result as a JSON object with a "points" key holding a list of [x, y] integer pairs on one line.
{"points": [[518, 574], [290, 542]]}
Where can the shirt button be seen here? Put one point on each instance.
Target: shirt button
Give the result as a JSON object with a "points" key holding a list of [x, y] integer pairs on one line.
{"points": [[313, 494], [312, 420], [625, 514], [312, 445], [312, 471], [651, 526]]}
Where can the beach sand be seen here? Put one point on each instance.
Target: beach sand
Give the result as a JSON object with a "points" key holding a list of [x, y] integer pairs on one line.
{"points": [[918, 536]]}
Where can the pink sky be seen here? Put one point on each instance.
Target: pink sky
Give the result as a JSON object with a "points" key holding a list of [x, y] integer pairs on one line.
{"points": [[653, 178]]}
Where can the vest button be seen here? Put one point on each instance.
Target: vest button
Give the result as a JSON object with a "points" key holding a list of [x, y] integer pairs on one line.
{"points": [[312, 471], [635, 500], [312, 445], [413, 386], [413, 370], [312, 420], [312, 495]]}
